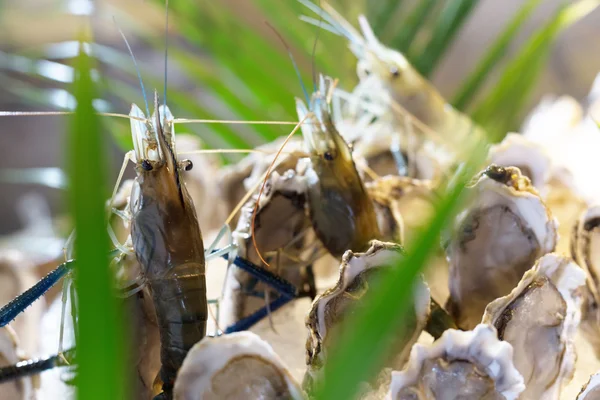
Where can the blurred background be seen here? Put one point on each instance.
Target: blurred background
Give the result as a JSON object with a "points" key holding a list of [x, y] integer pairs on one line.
{"points": [[226, 63]]}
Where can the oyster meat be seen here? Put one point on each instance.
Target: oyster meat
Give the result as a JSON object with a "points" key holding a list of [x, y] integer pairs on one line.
{"points": [[235, 366], [358, 272], [498, 237], [539, 318], [459, 365]]}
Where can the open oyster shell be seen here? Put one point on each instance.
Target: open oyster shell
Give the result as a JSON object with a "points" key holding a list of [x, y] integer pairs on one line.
{"points": [[235, 180], [539, 318], [459, 365], [498, 237], [591, 391], [285, 238], [357, 272], [235, 366], [402, 204], [585, 250], [516, 151]]}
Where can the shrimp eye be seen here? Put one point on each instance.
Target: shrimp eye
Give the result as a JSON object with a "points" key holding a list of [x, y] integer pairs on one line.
{"points": [[395, 72], [146, 165], [188, 165], [328, 156]]}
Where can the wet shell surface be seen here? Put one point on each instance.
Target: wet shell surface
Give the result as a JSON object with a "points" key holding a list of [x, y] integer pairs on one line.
{"points": [[459, 365], [235, 366], [357, 272], [539, 318], [498, 237], [591, 391]]}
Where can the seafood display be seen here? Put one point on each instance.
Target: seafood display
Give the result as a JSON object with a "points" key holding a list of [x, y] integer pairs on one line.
{"points": [[306, 229]]}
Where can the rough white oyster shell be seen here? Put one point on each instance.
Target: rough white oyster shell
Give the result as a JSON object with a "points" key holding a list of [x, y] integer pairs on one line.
{"points": [[517, 151], [498, 237], [539, 318], [402, 205], [235, 366], [459, 365], [234, 181], [591, 391], [329, 309]]}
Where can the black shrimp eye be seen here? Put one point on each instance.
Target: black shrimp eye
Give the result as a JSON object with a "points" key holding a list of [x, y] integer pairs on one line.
{"points": [[328, 156], [188, 165], [395, 72], [146, 165]]}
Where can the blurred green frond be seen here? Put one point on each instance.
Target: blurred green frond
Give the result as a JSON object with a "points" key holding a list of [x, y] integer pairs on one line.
{"points": [[100, 351], [446, 26], [495, 53], [500, 110]]}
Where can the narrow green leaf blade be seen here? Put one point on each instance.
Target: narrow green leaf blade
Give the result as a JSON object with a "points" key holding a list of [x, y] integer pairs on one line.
{"points": [[449, 22], [499, 110], [411, 25], [99, 354], [493, 56]]}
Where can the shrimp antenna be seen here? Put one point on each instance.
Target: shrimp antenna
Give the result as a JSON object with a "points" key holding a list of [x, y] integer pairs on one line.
{"points": [[166, 46], [291, 58], [264, 182], [314, 51], [135, 65]]}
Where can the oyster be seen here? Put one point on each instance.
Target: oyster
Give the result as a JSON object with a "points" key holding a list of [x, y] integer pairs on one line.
{"points": [[539, 318], [498, 237], [585, 250], [357, 272], [516, 151], [285, 239], [402, 204], [591, 391], [235, 366], [459, 365], [235, 180]]}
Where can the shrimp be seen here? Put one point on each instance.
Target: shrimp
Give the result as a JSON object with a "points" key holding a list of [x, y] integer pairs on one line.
{"points": [[342, 214], [167, 241], [382, 70]]}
